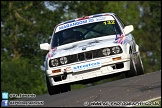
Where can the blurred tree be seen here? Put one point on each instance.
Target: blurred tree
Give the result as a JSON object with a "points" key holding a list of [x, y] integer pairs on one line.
{"points": [[150, 35], [24, 25], [21, 76]]}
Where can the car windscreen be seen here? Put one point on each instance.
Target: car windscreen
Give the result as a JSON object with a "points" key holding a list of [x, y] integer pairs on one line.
{"points": [[87, 31]]}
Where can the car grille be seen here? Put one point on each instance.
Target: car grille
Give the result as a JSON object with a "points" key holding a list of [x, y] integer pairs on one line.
{"points": [[87, 55]]}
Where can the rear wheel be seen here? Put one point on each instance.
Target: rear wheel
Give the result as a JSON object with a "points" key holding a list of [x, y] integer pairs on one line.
{"points": [[58, 88]]}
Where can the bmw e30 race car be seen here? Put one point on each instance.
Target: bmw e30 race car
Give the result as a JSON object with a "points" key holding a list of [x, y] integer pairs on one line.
{"points": [[90, 47]]}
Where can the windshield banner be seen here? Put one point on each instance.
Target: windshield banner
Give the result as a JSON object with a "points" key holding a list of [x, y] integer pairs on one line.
{"points": [[82, 22]]}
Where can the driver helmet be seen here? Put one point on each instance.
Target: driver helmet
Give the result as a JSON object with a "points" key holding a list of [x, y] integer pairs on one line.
{"points": [[67, 33]]}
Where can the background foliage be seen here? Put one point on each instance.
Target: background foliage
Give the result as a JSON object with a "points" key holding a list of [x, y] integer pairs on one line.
{"points": [[26, 24]]}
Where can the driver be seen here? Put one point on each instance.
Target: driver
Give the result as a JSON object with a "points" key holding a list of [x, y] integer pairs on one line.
{"points": [[68, 34]]}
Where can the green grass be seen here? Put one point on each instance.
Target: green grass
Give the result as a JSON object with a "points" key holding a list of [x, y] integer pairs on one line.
{"points": [[77, 86]]}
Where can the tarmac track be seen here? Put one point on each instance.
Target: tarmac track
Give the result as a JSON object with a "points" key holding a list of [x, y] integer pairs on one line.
{"points": [[138, 88]]}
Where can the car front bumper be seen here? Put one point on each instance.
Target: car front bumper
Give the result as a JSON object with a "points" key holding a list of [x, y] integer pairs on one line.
{"points": [[109, 65]]}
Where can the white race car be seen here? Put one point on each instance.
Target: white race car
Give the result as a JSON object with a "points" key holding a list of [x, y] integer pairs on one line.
{"points": [[88, 48]]}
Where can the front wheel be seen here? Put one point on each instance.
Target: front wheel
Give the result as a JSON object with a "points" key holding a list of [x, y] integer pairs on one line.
{"points": [[51, 89], [58, 88], [139, 65], [133, 71]]}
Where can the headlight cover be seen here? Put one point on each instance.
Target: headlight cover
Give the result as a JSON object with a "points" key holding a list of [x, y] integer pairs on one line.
{"points": [[54, 62], [116, 49], [63, 60], [106, 51]]}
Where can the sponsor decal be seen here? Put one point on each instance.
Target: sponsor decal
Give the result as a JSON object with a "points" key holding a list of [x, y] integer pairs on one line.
{"points": [[90, 44], [82, 22], [91, 20], [101, 18], [69, 25], [86, 66], [67, 68]]}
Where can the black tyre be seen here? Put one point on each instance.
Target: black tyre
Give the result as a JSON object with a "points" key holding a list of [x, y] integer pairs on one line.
{"points": [[57, 89], [139, 65], [65, 88], [133, 71], [51, 89]]}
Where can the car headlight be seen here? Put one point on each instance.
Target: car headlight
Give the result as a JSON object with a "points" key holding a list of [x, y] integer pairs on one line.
{"points": [[116, 49], [63, 60], [54, 62], [106, 51]]}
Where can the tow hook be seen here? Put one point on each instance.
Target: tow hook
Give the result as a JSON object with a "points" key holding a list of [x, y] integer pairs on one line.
{"points": [[64, 76]]}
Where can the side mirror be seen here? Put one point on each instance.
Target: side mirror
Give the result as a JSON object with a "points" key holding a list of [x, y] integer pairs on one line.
{"points": [[128, 29], [44, 46]]}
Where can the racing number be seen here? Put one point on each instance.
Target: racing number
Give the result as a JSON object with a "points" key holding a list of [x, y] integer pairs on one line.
{"points": [[109, 22]]}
